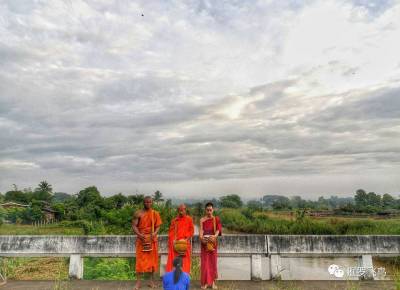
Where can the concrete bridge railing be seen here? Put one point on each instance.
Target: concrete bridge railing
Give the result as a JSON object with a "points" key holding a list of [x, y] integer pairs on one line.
{"points": [[260, 255]]}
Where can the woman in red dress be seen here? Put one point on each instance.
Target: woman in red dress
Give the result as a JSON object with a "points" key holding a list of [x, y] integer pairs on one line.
{"points": [[210, 229]]}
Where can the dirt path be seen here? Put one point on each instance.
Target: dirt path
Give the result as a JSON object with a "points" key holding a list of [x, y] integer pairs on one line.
{"points": [[223, 285]]}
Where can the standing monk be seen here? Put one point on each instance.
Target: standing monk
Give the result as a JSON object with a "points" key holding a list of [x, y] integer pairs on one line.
{"points": [[181, 230], [145, 225], [210, 229]]}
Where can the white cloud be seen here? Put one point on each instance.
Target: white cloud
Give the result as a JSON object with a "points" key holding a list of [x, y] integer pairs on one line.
{"points": [[200, 92], [17, 164]]}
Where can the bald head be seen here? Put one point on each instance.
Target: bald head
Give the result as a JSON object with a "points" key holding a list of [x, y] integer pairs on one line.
{"points": [[182, 209], [147, 202]]}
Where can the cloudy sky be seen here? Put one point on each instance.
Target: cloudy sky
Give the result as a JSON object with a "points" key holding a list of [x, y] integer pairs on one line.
{"points": [[201, 98]]}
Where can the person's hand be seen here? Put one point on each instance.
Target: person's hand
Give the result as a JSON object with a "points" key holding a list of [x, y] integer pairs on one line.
{"points": [[140, 236], [212, 238]]}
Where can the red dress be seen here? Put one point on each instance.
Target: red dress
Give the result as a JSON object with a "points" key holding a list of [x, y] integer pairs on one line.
{"points": [[209, 270]]}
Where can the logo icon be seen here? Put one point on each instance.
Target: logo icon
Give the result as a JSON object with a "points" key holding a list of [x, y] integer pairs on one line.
{"points": [[336, 271]]}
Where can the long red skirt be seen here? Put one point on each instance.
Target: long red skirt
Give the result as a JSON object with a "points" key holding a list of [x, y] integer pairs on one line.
{"points": [[209, 272]]}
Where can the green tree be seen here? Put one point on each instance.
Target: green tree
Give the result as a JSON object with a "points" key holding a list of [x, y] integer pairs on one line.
{"points": [[361, 199], [2, 215], [388, 201], [231, 201], [198, 209], [276, 202], [90, 203], [374, 199], [136, 199], [255, 205], [17, 196], [157, 196], [43, 192], [34, 212], [44, 186], [281, 204], [117, 201], [42, 195], [89, 195], [298, 202]]}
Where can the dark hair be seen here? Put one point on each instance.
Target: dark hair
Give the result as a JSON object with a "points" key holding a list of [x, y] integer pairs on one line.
{"points": [[209, 204], [178, 268]]}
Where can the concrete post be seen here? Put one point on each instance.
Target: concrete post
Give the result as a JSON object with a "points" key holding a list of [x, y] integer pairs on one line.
{"points": [[163, 263], [75, 266], [275, 267], [367, 268], [256, 267]]}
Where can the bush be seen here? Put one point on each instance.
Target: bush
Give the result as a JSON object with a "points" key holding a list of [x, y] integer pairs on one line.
{"points": [[109, 269]]}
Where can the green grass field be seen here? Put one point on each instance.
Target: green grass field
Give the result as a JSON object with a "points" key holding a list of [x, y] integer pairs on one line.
{"points": [[245, 221], [52, 229]]}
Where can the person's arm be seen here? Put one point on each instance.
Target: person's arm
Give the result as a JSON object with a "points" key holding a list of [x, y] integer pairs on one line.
{"points": [[171, 232], [201, 229], [191, 229], [135, 223], [157, 225], [219, 226], [217, 230], [188, 284]]}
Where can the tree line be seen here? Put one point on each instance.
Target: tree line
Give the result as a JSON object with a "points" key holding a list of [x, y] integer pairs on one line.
{"points": [[88, 209], [361, 202], [97, 213]]}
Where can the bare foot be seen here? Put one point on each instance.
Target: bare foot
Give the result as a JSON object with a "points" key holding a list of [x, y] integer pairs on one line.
{"points": [[152, 284], [214, 286], [204, 287], [137, 285]]}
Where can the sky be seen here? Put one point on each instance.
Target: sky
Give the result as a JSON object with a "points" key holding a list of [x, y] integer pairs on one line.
{"points": [[201, 98]]}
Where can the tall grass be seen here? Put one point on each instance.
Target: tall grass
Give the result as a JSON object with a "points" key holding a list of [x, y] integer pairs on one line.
{"points": [[109, 269], [260, 223]]}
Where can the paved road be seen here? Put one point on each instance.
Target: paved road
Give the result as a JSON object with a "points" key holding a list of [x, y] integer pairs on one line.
{"points": [[223, 285]]}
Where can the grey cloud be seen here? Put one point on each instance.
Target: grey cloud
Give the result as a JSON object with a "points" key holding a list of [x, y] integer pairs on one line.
{"points": [[111, 98], [371, 113]]}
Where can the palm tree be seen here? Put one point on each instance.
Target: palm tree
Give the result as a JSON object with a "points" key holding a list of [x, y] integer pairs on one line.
{"points": [[44, 186], [158, 197]]}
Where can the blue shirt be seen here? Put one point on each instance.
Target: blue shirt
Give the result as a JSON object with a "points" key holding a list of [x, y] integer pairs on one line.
{"points": [[183, 283]]}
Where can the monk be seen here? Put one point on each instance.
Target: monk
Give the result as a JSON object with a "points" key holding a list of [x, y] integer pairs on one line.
{"points": [[146, 224], [210, 229], [181, 229]]}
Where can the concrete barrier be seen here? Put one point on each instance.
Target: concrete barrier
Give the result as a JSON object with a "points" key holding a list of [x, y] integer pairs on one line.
{"points": [[258, 257]]}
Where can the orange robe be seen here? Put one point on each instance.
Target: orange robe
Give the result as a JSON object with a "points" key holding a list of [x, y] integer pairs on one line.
{"points": [[147, 261], [181, 228]]}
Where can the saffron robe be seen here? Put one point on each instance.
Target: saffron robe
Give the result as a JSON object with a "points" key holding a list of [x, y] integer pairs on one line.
{"points": [[147, 261], [181, 228], [209, 272]]}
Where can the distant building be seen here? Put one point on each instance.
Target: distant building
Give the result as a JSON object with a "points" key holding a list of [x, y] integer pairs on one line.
{"points": [[48, 213], [11, 204]]}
